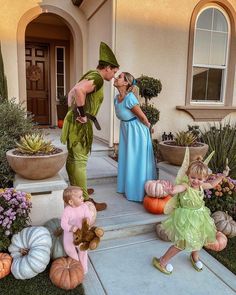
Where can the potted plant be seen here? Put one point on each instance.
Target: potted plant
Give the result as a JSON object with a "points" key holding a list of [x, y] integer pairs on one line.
{"points": [[173, 151], [36, 158], [62, 108], [149, 87]]}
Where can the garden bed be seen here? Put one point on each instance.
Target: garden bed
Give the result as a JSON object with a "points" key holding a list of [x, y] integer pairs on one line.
{"points": [[39, 285]]}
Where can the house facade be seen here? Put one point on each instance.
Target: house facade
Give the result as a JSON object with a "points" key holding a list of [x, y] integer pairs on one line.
{"points": [[190, 45]]}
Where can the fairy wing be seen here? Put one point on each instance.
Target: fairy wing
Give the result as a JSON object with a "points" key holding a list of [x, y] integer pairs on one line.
{"points": [[207, 160], [171, 205], [181, 176]]}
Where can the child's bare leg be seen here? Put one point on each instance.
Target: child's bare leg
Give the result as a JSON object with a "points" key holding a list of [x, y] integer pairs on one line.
{"points": [[171, 252], [195, 255], [196, 263]]}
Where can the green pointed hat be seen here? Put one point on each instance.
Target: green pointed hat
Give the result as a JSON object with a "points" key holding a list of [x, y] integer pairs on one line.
{"points": [[107, 56]]}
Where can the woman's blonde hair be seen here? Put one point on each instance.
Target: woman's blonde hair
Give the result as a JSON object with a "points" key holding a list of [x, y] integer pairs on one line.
{"points": [[69, 191], [132, 87], [198, 167]]}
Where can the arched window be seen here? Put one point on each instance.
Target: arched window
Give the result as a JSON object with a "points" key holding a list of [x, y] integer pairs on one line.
{"points": [[210, 56], [211, 61]]}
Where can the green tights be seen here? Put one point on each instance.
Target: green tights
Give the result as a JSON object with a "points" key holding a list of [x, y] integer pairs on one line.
{"points": [[76, 167]]}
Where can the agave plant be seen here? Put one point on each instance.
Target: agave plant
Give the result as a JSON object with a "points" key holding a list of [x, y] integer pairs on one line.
{"points": [[185, 138], [34, 144], [221, 138]]}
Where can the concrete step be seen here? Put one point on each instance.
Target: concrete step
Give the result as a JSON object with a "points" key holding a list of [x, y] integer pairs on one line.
{"points": [[122, 218], [100, 170]]}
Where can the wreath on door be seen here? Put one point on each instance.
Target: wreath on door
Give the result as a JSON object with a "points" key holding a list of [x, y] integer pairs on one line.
{"points": [[33, 73]]}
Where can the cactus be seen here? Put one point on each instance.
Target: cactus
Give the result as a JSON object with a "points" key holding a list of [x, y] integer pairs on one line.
{"points": [[185, 138], [34, 144]]}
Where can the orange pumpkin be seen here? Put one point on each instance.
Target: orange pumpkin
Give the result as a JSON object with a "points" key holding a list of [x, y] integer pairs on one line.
{"points": [[219, 244], [60, 123], [66, 273], [155, 205], [5, 264]]}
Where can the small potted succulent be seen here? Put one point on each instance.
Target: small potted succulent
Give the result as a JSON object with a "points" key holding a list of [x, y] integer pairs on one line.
{"points": [[173, 151], [36, 158], [149, 87]]}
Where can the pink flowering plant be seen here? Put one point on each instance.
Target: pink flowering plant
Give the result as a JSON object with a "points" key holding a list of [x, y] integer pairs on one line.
{"points": [[14, 214], [223, 196]]}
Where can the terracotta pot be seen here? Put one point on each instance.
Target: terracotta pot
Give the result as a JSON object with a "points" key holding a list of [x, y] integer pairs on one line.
{"points": [[36, 167], [175, 154]]}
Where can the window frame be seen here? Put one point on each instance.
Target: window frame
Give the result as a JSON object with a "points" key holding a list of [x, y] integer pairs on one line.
{"points": [[64, 70], [224, 68], [212, 112]]}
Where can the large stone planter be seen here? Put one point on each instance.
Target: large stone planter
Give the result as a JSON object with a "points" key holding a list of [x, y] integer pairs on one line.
{"points": [[175, 154], [36, 167]]}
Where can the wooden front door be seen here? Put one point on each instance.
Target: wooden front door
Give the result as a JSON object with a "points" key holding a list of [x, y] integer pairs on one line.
{"points": [[37, 81]]}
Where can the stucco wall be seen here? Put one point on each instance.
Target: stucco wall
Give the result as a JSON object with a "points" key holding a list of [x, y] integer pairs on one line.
{"points": [[100, 29], [152, 39]]}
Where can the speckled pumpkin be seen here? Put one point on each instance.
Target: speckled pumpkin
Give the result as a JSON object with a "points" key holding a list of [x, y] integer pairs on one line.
{"points": [[161, 233], [5, 264], [158, 188], [155, 205], [66, 273], [219, 244], [224, 223]]}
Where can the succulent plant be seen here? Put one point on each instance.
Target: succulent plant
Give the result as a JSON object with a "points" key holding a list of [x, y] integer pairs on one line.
{"points": [[185, 138], [33, 144]]}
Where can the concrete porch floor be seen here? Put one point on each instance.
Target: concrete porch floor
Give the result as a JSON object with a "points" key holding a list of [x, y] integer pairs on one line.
{"points": [[122, 263]]}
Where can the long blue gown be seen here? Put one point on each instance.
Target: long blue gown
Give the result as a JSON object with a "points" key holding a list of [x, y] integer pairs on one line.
{"points": [[136, 162]]}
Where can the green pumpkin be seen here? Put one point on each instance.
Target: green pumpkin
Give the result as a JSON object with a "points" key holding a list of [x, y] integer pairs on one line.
{"points": [[30, 250], [54, 227]]}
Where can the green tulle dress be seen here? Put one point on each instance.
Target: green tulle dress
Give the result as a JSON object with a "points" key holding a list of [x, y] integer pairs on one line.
{"points": [[190, 226]]}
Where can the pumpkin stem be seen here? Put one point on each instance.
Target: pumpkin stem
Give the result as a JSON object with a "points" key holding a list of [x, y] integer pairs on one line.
{"points": [[58, 232], [24, 251]]}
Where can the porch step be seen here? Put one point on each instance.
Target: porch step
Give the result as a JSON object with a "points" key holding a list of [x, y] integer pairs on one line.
{"points": [[100, 170], [122, 218]]}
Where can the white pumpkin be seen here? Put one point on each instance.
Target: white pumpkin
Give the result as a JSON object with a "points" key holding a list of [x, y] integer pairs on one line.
{"points": [[158, 188], [30, 250], [54, 227]]}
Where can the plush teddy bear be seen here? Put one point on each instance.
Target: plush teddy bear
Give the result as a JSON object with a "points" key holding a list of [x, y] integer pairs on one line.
{"points": [[87, 238]]}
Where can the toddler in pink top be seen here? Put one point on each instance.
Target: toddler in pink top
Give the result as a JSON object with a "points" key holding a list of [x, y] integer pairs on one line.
{"points": [[74, 212]]}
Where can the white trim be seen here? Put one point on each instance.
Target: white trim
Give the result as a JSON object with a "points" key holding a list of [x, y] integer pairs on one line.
{"points": [[223, 67], [64, 69]]}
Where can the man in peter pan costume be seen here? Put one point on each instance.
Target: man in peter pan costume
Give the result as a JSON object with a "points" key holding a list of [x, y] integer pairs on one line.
{"points": [[84, 101]]}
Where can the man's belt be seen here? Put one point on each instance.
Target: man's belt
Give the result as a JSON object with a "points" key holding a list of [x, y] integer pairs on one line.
{"points": [[94, 119]]}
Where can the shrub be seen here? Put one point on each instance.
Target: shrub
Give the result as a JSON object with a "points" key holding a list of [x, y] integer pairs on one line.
{"points": [[13, 124], [149, 87], [151, 113], [222, 197], [14, 214], [221, 139]]}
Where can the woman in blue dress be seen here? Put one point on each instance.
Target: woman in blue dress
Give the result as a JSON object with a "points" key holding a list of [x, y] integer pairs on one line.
{"points": [[136, 163]]}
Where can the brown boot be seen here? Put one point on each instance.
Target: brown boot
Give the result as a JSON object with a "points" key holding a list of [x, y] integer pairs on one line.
{"points": [[98, 206], [90, 191]]}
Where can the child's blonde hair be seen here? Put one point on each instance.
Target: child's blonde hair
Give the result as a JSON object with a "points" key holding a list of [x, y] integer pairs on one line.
{"points": [[198, 167], [69, 191]]}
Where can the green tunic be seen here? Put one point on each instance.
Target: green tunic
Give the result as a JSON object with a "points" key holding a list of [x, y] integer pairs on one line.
{"points": [[74, 132]]}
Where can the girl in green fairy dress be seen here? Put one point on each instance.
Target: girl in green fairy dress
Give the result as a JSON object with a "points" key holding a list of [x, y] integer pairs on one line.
{"points": [[189, 226]]}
